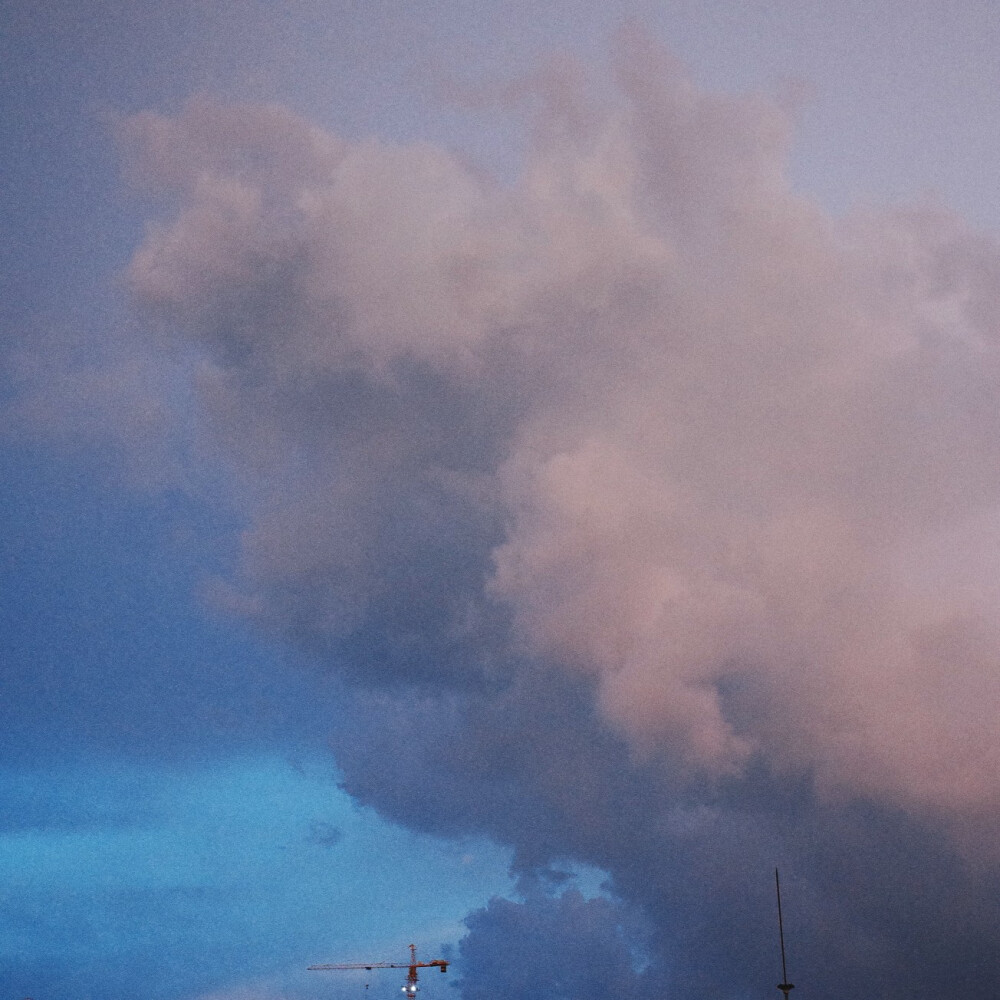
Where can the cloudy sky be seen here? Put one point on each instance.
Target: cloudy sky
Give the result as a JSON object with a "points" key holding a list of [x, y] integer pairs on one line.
{"points": [[502, 476]]}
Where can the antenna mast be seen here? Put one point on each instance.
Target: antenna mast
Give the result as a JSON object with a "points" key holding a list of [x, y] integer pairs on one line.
{"points": [[785, 986]]}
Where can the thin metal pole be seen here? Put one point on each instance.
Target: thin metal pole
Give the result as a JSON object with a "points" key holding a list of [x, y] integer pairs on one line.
{"points": [[785, 986]]}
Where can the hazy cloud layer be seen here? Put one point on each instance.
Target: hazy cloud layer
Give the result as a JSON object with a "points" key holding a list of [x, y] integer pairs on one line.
{"points": [[655, 481]]}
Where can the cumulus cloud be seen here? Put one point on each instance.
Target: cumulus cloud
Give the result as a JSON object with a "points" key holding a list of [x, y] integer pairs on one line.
{"points": [[712, 440], [638, 475]]}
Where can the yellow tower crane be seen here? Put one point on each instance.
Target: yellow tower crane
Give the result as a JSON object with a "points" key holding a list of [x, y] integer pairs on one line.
{"points": [[410, 987]]}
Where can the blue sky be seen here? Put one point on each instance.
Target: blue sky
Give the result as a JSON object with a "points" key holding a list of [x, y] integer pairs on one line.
{"points": [[194, 875], [312, 647]]}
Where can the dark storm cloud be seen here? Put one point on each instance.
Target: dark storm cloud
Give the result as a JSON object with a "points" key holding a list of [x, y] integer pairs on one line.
{"points": [[559, 947], [647, 511]]}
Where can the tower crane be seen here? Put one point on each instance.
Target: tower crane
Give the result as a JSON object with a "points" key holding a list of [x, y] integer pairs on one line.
{"points": [[410, 987]]}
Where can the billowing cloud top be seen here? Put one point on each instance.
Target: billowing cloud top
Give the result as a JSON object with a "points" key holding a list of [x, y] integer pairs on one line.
{"points": [[733, 459]]}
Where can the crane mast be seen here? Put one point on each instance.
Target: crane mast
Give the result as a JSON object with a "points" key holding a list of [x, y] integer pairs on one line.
{"points": [[410, 987]]}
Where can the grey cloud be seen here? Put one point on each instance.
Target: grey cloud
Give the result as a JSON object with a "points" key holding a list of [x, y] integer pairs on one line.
{"points": [[555, 946]]}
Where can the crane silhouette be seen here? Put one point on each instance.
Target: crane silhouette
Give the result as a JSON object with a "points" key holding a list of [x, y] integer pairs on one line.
{"points": [[410, 987]]}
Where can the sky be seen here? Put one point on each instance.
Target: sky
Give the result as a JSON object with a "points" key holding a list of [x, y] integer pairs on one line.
{"points": [[504, 477]]}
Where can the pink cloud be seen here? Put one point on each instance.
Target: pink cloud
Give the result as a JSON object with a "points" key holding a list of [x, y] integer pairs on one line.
{"points": [[730, 440]]}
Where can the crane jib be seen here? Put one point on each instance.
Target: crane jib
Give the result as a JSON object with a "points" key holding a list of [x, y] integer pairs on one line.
{"points": [[436, 964], [410, 988]]}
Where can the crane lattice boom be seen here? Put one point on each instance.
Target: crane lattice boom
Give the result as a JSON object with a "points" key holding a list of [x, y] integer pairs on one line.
{"points": [[410, 988], [437, 963]]}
